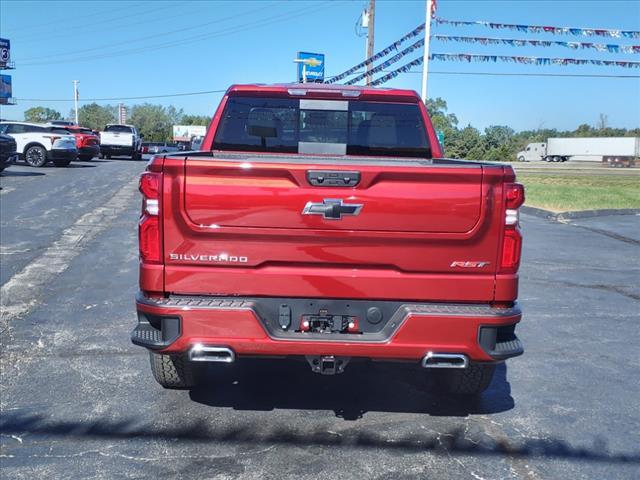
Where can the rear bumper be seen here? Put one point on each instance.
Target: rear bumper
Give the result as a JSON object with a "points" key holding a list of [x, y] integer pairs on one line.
{"points": [[175, 324], [62, 154], [116, 150], [92, 150]]}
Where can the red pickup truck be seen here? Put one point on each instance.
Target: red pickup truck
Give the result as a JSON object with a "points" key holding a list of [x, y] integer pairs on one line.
{"points": [[320, 222]]}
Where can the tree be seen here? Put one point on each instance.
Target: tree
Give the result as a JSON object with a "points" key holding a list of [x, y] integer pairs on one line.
{"points": [[195, 120], [96, 116], [497, 135], [41, 114], [155, 122]]}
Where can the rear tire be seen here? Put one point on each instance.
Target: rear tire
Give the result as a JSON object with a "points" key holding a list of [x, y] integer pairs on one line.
{"points": [[472, 380], [172, 371], [62, 163], [521, 158], [35, 156]]}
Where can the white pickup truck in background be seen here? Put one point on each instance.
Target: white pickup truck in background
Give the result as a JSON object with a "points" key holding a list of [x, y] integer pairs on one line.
{"points": [[120, 140]]}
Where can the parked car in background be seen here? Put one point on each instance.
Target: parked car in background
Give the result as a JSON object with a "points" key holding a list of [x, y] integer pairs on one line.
{"points": [[163, 148], [62, 123], [38, 144], [8, 153], [196, 143], [120, 140], [144, 147], [87, 143]]}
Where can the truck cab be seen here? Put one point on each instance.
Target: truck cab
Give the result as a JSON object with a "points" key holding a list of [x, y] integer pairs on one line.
{"points": [[533, 152]]}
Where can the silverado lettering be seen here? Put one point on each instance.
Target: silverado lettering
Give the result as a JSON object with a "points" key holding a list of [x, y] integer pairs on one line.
{"points": [[359, 235]]}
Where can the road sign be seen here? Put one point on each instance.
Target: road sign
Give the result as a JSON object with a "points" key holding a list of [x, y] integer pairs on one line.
{"points": [[311, 66], [5, 52], [5, 89]]}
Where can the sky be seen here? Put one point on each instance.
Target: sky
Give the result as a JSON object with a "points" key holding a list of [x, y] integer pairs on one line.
{"points": [[121, 49]]}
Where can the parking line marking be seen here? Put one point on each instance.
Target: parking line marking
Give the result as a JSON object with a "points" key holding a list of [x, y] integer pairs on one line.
{"points": [[17, 295]]}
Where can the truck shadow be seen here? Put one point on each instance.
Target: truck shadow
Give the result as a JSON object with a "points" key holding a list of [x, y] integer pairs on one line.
{"points": [[362, 388]]}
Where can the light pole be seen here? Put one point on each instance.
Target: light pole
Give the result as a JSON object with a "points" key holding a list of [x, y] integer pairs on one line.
{"points": [[75, 98], [304, 62], [425, 58]]}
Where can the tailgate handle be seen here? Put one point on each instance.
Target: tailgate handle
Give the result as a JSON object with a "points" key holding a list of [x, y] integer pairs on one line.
{"points": [[332, 208], [329, 178]]}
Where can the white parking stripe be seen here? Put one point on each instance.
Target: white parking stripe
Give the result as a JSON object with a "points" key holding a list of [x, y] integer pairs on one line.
{"points": [[19, 294]]}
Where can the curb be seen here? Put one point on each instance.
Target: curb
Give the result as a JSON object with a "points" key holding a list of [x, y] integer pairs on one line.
{"points": [[541, 213]]}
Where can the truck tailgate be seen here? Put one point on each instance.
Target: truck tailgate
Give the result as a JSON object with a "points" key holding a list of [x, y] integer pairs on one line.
{"points": [[241, 225]]}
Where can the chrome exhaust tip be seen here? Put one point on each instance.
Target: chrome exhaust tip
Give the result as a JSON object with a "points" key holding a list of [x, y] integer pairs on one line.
{"points": [[204, 353], [445, 360]]}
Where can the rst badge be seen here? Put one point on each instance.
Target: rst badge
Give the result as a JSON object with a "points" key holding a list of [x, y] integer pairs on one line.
{"points": [[468, 264]]}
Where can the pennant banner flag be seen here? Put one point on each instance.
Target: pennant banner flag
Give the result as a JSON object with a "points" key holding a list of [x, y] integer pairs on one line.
{"points": [[382, 53], [468, 57], [395, 73], [599, 32], [601, 47], [387, 62]]}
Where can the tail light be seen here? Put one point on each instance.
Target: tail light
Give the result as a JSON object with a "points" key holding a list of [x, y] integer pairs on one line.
{"points": [[52, 138], [149, 225], [512, 239]]}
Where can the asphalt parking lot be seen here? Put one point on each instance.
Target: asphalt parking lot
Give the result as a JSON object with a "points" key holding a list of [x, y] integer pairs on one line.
{"points": [[78, 400]]}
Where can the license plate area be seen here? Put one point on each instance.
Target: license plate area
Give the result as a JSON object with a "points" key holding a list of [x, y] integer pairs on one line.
{"points": [[328, 323]]}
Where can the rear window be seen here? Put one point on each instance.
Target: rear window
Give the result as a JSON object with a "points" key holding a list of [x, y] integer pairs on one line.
{"points": [[118, 128], [59, 130], [339, 127]]}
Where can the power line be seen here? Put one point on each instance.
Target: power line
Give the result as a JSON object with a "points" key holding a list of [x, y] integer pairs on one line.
{"points": [[238, 28], [185, 94], [161, 34], [33, 37], [206, 92]]}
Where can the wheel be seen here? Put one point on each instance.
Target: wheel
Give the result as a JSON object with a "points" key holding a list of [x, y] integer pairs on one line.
{"points": [[36, 156], [472, 380], [63, 162], [136, 156], [108, 157], [85, 158], [101, 155], [521, 158], [557, 159], [172, 371]]}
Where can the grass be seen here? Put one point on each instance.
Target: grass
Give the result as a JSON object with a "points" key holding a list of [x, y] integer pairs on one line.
{"points": [[567, 192]]}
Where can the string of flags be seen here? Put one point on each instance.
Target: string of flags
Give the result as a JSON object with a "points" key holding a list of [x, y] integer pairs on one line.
{"points": [[601, 47], [468, 57], [600, 32], [387, 62], [403, 69], [382, 53]]}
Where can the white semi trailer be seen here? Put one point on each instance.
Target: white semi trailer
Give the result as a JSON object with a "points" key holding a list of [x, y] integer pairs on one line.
{"points": [[624, 151]]}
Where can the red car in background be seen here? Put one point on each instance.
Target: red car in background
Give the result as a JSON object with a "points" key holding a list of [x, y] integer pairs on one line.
{"points": [[87, 142]]}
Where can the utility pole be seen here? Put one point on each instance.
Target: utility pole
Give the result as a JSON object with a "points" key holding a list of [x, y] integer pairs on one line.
{"points": [[75, 98], [370, 36], [425, 58]]}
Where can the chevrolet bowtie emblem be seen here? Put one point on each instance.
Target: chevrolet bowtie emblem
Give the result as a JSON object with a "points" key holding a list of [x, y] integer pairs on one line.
{"points": [[331, 208]]}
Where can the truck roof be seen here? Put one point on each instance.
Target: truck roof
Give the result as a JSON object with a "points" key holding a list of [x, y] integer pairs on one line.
{"points": [[323, 90]]}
